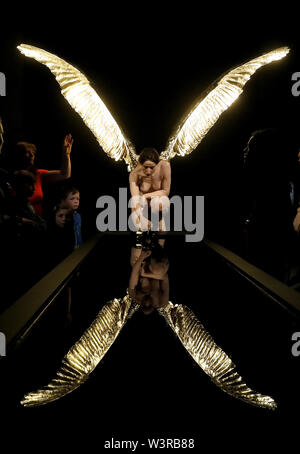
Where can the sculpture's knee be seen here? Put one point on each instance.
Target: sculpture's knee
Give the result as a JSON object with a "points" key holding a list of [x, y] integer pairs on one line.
{"points": [[161, 204]]}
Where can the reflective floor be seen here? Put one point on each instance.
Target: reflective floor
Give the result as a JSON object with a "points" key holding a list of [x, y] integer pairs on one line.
{"points": [[147, 383]]}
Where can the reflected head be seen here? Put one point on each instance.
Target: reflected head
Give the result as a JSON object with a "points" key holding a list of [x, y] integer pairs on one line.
{"points": [[147, 306], [147, 310]]}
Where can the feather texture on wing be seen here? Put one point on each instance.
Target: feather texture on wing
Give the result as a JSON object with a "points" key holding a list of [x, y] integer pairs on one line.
{"points": [[77, 90], [209, 356], [216, 99], [86, 354]]}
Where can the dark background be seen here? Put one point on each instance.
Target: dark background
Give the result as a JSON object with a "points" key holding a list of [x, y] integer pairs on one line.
{"points": [[149, 67]]}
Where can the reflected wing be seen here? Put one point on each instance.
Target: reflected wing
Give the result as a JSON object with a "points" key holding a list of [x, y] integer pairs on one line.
{"points": [[86, 354], [216, 99], [211, 358], [77, 90]]}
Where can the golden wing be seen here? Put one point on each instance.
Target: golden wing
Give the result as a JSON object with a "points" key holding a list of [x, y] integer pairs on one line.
{"points": [[86, 354], [77, 90], [209, 356], [216, 99]]}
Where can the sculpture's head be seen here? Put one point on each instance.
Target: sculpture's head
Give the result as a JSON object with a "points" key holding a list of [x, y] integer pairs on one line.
{"points": [[149, 158]]}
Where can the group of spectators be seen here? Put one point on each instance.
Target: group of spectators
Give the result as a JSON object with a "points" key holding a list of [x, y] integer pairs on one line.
{"points": [[33, 239]]}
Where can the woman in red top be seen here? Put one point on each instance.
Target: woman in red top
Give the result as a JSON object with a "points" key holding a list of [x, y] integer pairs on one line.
{"points": [[24, 158]]}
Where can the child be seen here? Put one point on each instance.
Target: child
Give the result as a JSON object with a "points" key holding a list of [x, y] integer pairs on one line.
{"points": [[70, 198], [60, 237], [60, 245]]}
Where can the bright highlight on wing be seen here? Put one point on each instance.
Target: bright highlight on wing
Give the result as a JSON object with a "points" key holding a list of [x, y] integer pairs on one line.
{"points": [[77, 90], [209, 356], [86, 354], [200, 120]]}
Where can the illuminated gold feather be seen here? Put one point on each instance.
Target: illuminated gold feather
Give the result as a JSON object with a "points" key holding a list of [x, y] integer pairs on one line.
{"points": [[77, 90], [86, 354], [216, 99], [211, 358]]}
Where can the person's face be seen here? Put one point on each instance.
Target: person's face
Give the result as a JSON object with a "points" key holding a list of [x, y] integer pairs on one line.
{"points": [[61, 217], [72, 201], [148, 167], [28, 189], [29, 157]]}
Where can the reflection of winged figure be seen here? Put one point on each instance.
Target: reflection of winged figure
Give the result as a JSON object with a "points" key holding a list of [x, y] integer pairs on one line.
{"points": [[76, 88], [86, 354]]}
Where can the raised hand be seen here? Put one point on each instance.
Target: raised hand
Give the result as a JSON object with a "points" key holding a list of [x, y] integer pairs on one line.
{"points": [[68, 142]]}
